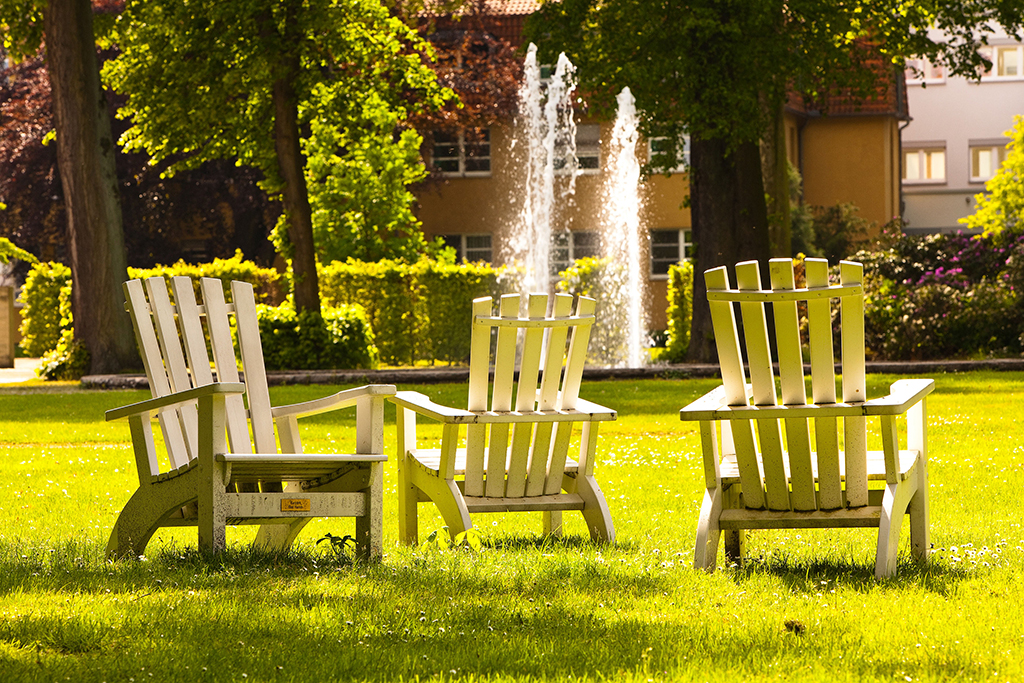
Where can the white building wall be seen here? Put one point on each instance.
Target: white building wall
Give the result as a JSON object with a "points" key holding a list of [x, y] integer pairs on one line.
{"points": [[952, 114]]}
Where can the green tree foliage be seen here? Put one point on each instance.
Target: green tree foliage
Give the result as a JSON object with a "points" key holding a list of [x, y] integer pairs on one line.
{"points": [[311, 93], [1001, 206], [721, 70]]}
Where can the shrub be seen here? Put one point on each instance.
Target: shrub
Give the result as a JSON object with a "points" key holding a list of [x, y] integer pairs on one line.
{"points": [[69, 359], [680, 311], [604, 280], [445, 306], [339, 337], [945, 296], [266, 282], [41, 316], [387, 291]]}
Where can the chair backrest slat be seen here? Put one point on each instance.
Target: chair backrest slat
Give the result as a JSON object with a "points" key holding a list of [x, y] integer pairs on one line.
{"points": [[476, 435], [851, 311], [526, 399], [552, 438], [794, 391], [755, 333], [251, 350], [501, 395], [225, 362]]}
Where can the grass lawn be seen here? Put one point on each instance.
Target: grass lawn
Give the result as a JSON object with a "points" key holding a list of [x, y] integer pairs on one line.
{"points": [[804, 608]]}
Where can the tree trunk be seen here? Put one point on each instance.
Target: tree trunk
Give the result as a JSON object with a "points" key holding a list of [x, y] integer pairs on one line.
{"points": [[730, 223], [775, 174], [85, 158], [296, 198]]}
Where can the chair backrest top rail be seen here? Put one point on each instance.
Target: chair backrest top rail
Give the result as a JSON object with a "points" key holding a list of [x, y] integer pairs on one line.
{"points": [[497, 321], [772, 295]]}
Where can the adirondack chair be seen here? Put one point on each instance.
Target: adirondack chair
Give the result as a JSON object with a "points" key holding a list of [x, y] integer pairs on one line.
{"points": [[213, 474], [515, 454], [788, 483]]}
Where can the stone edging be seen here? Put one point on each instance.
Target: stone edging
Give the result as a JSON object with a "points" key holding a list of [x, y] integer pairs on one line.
{"points": [[461, 374]]}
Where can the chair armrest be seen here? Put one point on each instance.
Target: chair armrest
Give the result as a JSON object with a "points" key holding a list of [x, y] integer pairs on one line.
{"points": [[422, 405], [902, 394], [594, 410], [342, 399], [177, 398], [705, 407]]}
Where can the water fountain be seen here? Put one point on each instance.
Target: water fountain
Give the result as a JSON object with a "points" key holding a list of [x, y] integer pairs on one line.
{"points": [[547, 131]]}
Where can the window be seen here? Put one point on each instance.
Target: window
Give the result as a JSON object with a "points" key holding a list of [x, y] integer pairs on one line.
{"points": [[921, 71], [588, 150], [661, 146], [1007, 61], [667, 248], [463, 153], [986, 158], [469, 248], [566, 247], [924, 165]]}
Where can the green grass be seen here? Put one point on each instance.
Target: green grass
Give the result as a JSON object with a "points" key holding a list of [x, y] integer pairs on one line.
{"points": [[804, 608]]}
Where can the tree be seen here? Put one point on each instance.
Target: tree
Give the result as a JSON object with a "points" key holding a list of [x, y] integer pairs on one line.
{"points": [[275, 84], [1001, 206], [85, 157], [721, 70]]}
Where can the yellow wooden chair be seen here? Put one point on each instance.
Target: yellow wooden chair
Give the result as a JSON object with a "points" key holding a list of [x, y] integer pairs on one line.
{"points": [[214, 474], [515, 454], [757, 478]]}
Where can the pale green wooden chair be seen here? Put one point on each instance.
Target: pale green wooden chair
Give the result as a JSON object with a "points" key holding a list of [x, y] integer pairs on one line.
{"points": [[211, 473], [757, 478], [516, 448]]}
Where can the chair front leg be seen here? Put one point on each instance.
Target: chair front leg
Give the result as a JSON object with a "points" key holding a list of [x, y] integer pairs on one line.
{"points": [[370, 527], [408, 496], [917, 439], [213, 476]]}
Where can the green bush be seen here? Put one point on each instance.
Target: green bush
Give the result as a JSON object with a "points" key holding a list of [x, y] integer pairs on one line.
{"points": [[680, 311], [339, 337], [388, 293], [41, 317], [445, 306], [69, 359], [266, 282], [945, 296], [604, 280]]}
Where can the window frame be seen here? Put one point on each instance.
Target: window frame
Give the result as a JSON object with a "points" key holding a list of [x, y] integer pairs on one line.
{"points": [[684, 250], [573, 249], [461, 145], [992, 53], [926, 68], [998, 150], [923, 150], [684, 165], [462, 248]]}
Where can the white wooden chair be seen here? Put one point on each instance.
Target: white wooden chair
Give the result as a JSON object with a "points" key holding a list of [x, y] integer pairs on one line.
{"points": [[787, 483], [213, 473], [515, 454]]}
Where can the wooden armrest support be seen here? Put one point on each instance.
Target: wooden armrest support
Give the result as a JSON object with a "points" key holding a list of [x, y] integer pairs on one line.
{"points": [[904, 393], [422, 405], [342, 399], [177, 398]]}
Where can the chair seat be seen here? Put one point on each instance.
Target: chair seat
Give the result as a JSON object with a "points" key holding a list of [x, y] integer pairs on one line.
{"points": [[730, 470], [430, 459]]}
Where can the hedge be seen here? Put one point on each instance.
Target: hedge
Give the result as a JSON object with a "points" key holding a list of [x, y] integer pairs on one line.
{"points": [[680, 311], [41, 318], [418, 311], [337, 338]]}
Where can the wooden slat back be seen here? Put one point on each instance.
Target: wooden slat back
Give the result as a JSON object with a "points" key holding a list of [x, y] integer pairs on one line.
{"points": [[548, 352], [156, 372], [225, 362], [251, 350], [768, 485]]}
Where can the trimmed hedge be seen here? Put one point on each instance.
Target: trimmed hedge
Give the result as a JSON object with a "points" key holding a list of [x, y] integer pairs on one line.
{"points": [[266, 282], [337, 338], [680, 311], [41, 323], [418, 311]]}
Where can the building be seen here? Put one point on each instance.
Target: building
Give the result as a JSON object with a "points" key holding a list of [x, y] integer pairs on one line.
{"points": [[847, 152], [958, 135]]}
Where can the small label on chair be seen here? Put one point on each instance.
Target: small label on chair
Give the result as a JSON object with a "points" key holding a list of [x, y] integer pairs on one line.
{"points": [[295, 505]]}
